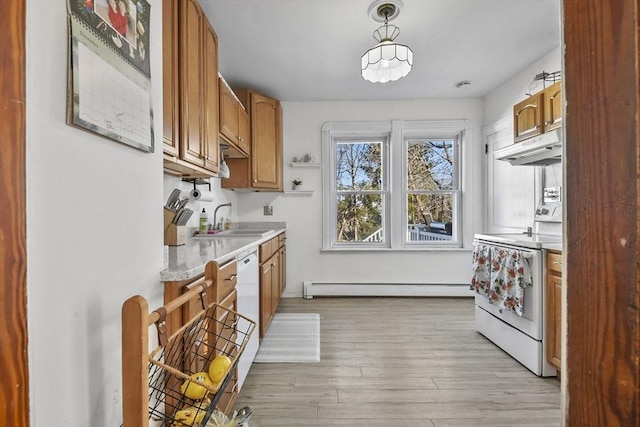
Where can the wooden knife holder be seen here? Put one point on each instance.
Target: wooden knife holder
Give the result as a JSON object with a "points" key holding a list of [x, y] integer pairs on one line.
{"points": [[174, 235]]}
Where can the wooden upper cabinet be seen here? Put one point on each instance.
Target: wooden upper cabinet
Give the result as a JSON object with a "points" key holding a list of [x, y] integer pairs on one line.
{"points": [[266, 142], [263, 169], [540, 113], [234, 122], [528, 118], [211, 101], [244, 130], [552, 97], [228, 113], [191, 76], [190, 90], [170, 77]]}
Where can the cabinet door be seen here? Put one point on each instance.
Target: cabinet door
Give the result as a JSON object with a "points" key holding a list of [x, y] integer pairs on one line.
{"points": [[527, 118], [265, 297], [210, 95], [171, 101], [228, 113], [244, 130], [554, 309], [553, 107], [226, 340], [266, 143], [283, 268], [191, 93], [276, 269]]}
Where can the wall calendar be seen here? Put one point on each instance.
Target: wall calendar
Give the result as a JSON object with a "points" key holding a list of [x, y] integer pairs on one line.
{"points": [[109, 71]]}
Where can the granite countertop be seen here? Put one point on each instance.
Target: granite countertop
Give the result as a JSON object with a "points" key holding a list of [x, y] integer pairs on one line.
{"points": [[189, 260]]}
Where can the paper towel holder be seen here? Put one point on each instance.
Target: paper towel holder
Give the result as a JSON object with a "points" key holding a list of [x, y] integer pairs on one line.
{"points": [[197, 181]]}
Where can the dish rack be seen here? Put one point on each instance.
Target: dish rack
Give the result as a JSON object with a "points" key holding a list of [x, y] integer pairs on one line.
{"points": [[153, 381]]}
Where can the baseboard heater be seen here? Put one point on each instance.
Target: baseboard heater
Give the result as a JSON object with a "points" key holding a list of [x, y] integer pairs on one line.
{"points": [[320, 289]]}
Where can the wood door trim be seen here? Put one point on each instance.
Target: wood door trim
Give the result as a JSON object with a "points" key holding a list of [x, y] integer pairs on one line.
{"points": [[14, 386], [602, 231]]}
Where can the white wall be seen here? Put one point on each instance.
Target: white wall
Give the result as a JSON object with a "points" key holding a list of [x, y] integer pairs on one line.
{"points": [[94, 235], [303, 214]]}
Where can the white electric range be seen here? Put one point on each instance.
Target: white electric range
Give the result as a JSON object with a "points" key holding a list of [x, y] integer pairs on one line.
{"points": [[522, 336]]}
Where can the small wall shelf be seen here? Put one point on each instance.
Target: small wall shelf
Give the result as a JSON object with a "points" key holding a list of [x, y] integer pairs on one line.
{"points": [[305, 165], [298, 193]]}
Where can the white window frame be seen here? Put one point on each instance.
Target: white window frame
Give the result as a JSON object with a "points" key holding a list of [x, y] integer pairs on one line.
{"points": [[396, 134], [456, 191]]}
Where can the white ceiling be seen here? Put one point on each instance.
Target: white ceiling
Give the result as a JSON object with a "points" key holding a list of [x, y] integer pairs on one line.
{"points": [[309, 50]]}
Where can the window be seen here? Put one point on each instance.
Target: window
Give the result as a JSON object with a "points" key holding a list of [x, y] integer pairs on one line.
{"points": [[392, 185], [360, 190]]}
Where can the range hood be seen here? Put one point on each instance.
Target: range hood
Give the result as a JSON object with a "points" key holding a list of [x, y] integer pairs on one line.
{"points": [[540, 150]]}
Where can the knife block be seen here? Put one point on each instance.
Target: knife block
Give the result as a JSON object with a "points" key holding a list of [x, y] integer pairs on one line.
{"points": [[174, 235]]}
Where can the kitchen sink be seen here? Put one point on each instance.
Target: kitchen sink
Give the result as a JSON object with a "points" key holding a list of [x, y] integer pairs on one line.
{"points": [[239, 232]]}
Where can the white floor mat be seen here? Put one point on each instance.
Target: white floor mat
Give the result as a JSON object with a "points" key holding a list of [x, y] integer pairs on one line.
{"points": [[291, 337]]}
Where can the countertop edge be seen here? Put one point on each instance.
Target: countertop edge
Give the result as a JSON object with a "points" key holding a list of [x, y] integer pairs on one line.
{"points": [[171, 275]]}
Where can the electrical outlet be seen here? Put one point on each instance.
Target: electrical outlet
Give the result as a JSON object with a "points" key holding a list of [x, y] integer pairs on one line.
{"points": [[268, 210]]}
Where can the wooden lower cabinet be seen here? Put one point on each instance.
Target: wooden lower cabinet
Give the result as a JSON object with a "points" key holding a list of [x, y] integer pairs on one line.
{"points": [[223, 292], [272, 279], [266, 289], [554, 308], [226, 336]]}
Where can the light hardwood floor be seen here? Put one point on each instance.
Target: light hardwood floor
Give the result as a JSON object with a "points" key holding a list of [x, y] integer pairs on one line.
{"points": [[396, 362]]}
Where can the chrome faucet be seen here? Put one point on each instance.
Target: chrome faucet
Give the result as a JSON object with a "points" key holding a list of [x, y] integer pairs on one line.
{"points": [[215, 213]]}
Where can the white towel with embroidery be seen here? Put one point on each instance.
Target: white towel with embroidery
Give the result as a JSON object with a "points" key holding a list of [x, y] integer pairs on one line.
{"points": [[510, 275]]}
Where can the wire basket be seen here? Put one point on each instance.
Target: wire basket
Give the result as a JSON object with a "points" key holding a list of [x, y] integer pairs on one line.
{"points": [[174, 394]]}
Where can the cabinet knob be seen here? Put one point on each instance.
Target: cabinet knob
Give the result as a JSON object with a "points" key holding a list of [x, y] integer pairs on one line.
{"points": [[231, 277], [255, 180], [240, 139]]}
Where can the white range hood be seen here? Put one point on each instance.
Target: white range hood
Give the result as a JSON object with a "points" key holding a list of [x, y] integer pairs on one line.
{"points": [[542, 150]]}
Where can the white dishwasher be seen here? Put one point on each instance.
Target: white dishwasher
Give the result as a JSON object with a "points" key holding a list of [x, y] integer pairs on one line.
{"points": [[248, 290]]}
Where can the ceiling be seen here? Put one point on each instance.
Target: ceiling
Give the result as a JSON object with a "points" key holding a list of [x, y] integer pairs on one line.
{"points": [[309, 50]]}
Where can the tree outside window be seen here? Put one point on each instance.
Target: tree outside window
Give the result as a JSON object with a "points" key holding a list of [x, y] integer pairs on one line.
{"points": [[392, 185]]}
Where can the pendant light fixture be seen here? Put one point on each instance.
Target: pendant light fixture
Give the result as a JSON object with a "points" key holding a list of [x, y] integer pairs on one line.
{"points": [[387, 61]]}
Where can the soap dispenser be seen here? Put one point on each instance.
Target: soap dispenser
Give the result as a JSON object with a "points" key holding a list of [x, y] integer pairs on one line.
{"points": [[203, 222]]}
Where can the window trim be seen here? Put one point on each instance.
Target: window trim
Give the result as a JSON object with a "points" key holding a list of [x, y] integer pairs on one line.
{"points": [[394, 219]]}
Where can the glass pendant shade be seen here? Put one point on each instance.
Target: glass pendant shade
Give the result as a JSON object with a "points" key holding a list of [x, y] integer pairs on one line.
{"points": [[387, 61]]}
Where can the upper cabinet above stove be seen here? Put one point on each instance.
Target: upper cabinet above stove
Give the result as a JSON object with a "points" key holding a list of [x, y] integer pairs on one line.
{"points": [[539, 113], [536, 123]]}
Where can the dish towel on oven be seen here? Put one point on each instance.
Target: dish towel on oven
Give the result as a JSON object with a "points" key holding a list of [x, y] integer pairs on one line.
{"points": [[481, 272], [510, 275]]}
